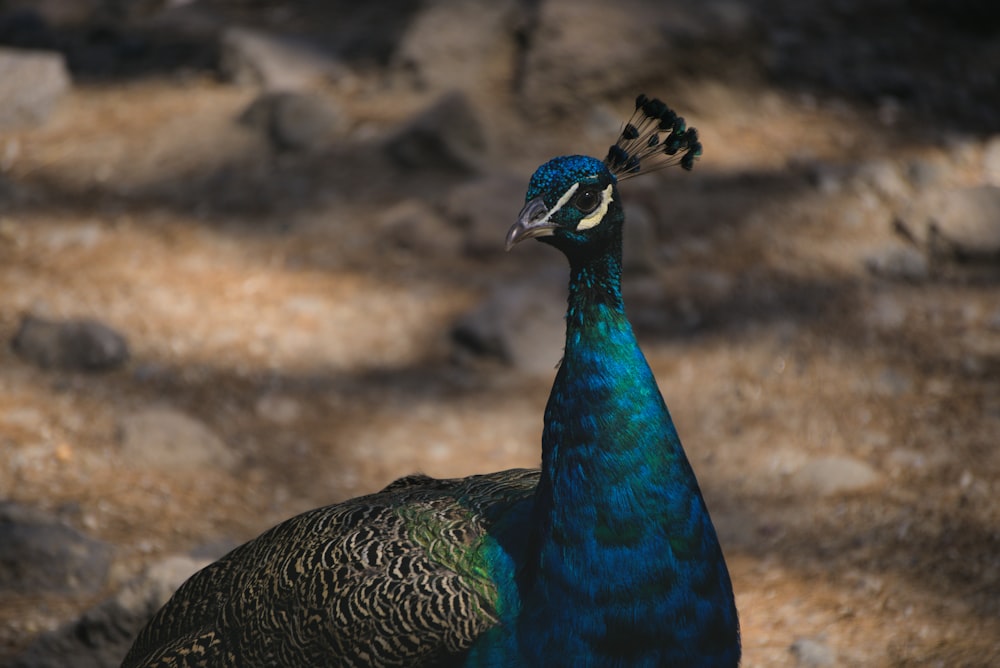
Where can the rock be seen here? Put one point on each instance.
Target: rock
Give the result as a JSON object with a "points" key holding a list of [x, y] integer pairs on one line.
{"points": [[84, 345], [886, 313], [447, 136], [102, 636], [899, 262], [166, 440], [580, 51], [73, 237], [884, 178], [828, 179], [570, 59], [293, 121], [413, 225], [31, 84], [521, 325], [255, 58], [991, 161], [468, 46], [923, 173], [484, 210], [955, 223], [892, 383], [812, 653], [28, 418], [40, 553], [993, 322], [831, 475], [278, 409]]}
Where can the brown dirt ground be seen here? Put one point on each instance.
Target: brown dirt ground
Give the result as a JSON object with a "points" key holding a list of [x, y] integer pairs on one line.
{"points": [[323, 358]]}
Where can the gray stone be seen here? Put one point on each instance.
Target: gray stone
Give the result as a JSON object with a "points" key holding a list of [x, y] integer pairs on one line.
{"points": [[886, 312], [892, 383], [993, 322], [955, 223], [31, 84], [925, 173], [521, 325], [40, 553], [812, 653], [278, 409], [884, 178], [168, 441], [446, 136], [415, 226], [835, 474], [293, 121], [256, 58], [102, 636], [460, 45], [76, 236], [828, 179], [85, 345], [570, 61], [991, 161], [963, 151], [899, 262], [483, 210]]}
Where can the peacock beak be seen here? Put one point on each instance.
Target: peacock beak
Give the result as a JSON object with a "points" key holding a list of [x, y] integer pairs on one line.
{"points": [[533, 221]]}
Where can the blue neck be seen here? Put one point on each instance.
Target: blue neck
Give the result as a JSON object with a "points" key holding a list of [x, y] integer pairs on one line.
{"points": [[628, 565], [624, 568]]}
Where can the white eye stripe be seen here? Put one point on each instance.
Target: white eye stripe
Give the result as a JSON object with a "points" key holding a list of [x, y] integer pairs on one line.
{"points": [[597, 216], [561, 203]]}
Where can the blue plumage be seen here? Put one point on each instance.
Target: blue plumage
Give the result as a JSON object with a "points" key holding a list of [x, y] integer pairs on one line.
{"points": [[624, 567], [606, 557]]}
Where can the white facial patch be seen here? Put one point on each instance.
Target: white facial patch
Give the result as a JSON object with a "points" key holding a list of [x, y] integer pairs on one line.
{"points": [[597, 216], [560, 204]]}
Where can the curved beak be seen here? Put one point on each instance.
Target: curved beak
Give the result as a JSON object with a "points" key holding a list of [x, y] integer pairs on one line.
{"points": [[532, 222]]}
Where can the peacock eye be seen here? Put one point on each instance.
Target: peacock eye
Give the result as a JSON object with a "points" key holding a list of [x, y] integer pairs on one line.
{"points": [[587, 200]]}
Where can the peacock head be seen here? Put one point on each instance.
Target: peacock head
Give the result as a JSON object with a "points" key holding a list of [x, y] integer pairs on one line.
{"points": [[572, 201]]}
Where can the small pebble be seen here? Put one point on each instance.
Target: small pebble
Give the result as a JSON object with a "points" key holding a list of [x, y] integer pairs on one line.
{"points": [[827, 476], [812, 653]]}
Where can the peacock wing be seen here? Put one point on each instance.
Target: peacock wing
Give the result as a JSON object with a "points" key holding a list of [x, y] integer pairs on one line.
{"points": [[402, 577]]}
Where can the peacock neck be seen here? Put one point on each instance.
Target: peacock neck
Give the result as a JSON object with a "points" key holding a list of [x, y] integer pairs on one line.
{"points": [[595, 284], [609, 447], [626, 564]]}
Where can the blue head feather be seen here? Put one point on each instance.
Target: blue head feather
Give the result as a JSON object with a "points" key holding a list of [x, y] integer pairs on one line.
{"points": [[554, 177]]}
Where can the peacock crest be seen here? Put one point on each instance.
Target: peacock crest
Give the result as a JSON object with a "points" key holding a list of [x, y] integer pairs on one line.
{"points": [[654, 137]]}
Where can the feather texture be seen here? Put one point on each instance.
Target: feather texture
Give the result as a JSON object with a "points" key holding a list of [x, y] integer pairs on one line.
{"points": [[397, 578], [654, 137], [605, 557]]}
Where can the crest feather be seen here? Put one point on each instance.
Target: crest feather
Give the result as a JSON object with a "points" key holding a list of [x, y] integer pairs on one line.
{"points": [[653, 138]]}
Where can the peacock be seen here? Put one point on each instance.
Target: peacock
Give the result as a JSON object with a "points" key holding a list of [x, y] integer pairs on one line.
{"points": [[607, 556]]}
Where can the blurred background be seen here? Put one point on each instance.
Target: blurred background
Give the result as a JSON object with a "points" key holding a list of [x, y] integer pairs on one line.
{"points": [[251, 262]]}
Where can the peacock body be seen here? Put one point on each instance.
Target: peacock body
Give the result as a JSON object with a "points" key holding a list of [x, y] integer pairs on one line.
{"points": [[605, 557]]}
